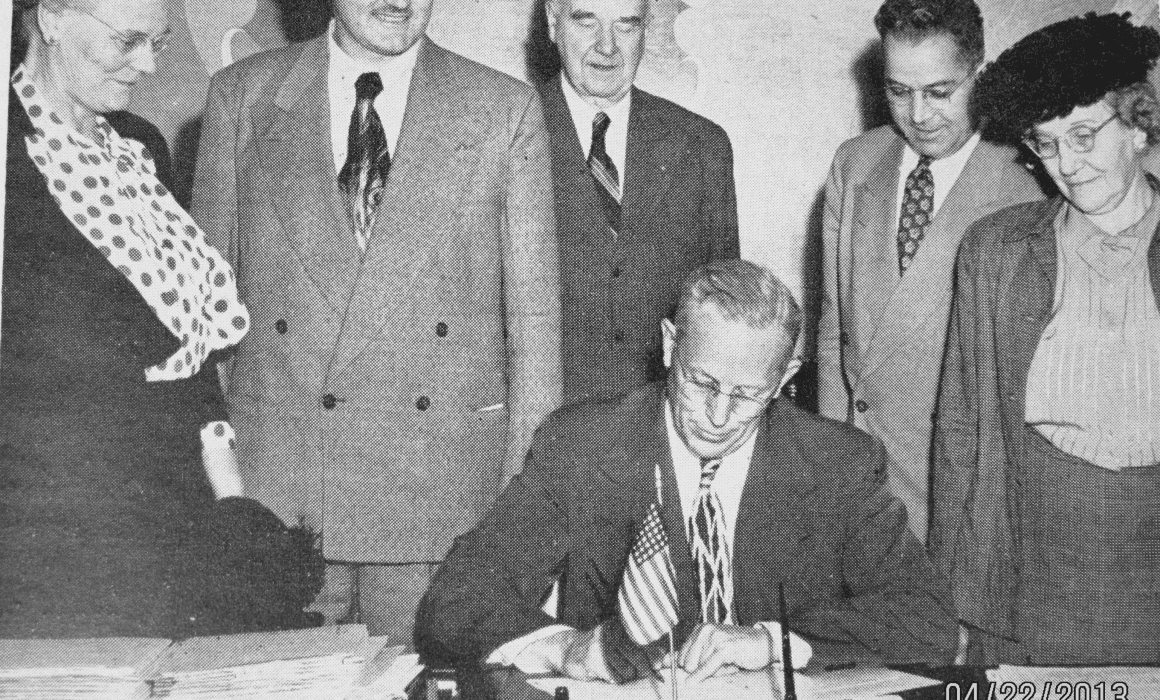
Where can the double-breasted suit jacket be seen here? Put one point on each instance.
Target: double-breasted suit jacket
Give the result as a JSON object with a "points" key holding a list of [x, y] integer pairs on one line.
{"points": [[882, 334], [679, 211], [814, 513], [378, 395]]}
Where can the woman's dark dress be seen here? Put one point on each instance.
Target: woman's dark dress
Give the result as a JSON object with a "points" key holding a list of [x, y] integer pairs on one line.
{"points": [[101, 480]]}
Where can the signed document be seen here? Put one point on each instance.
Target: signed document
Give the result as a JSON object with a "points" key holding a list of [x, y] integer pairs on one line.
{"points": [[847, 684]]}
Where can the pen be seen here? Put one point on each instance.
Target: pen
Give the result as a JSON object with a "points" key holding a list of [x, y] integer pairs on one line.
{"points": [[786, 657]]}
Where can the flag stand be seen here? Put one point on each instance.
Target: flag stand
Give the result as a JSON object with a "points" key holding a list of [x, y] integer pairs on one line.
{"points": [[672, 667]]}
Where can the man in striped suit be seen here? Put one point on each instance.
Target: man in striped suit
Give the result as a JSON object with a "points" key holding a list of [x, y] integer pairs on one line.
{"points": [[738, 490]]}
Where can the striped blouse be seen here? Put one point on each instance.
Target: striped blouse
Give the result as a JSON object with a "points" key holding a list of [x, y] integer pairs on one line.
{"points": [[1093, 388]]}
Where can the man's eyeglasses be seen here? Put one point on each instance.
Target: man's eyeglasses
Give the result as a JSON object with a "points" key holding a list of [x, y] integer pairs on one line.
{"points": [[1080, 139], [703, 388], [129, 42], [935, 95]]}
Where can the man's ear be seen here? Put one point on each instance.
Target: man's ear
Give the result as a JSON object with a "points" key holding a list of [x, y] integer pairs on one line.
{"points": [[791, 369], [668, 339]]}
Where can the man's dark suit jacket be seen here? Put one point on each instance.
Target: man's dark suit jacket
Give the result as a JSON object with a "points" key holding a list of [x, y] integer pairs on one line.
{"points": [[679, 211], [815, 514]]}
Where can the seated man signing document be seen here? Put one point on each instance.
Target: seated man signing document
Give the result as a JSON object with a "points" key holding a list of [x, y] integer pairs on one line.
{"points": [[679, 508]]}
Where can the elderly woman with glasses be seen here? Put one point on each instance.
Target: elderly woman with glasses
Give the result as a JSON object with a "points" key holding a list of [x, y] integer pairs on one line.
{"points": [[113, 303], [1047, 468]]}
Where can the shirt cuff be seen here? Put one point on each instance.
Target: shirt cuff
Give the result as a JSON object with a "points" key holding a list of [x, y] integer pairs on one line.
{"points": [[799, 648], [219, 460], [529, 654]]}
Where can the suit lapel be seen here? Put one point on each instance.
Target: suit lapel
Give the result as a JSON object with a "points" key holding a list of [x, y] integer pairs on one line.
{"points": [[654, 149], [588, 239], [770, 518], [297, 154], [874, 260], [435, 155], [981, 188]]}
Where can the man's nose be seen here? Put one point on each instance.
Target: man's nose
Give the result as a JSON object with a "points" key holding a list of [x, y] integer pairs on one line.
{"points": [[606, 41], [920, 109], [718, 406], [143, 59]]}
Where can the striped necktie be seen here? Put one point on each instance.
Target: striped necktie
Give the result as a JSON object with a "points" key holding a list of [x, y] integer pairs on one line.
{"points": [[368, 160], [916, 212], [603, 171], [709, 544]]}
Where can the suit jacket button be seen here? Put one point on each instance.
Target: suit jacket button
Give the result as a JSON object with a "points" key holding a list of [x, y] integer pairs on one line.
{"points": [[441, 329], [861, 406], [616, 272], [618, 336], [329, 402], [280, 325], [844, 338], [423, 403]]}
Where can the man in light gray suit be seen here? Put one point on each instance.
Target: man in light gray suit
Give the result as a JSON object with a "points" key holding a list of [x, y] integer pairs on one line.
{"points": [[897, 202], [387, 205]]}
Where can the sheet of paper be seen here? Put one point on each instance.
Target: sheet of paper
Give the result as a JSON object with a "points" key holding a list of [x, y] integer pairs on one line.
{"points": [[209, 653], [846, 684], [392, 683], [46, 656], [1135, 681]]}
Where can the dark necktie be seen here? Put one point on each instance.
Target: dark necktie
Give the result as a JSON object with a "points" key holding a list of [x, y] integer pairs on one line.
{"points": [[604, 172], [916, 213], [709, 542], [367, 160]]}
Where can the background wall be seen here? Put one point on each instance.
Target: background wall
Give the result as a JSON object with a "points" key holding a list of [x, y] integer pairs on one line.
{"points": [[788, 81]]}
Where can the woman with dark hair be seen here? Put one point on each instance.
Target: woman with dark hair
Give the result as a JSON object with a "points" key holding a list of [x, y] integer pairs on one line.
{"points": [[113, 305], [1047, 467]]}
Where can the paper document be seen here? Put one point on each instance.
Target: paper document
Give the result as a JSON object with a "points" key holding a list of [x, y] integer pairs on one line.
{"points": [[113, 668], [1078, 682], [846, 684]]}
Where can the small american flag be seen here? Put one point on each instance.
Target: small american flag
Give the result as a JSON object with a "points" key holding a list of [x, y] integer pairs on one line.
{"points": [[648, 593]]}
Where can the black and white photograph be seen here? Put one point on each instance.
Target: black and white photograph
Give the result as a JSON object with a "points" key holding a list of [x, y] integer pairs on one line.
{"points": [[580, 349]]}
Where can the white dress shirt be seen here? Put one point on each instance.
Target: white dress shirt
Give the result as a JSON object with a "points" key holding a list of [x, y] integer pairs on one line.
{"points": [[530, 657], [341, 74], [944, 171], [615, 139]]}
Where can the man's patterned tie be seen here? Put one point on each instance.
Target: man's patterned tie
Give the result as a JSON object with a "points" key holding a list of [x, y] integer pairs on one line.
{"points": [[709, 542], [604, 172], [364, 175], [917, 211]]}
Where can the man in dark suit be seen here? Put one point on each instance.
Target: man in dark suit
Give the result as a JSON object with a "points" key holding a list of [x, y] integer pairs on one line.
{"points": [[386, 204], [644, 195], [898, 200], [794, 498]]}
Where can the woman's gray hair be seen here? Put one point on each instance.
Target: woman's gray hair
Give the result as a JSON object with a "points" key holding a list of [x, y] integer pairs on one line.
{"points": [[741, 291], [1136, 106]]}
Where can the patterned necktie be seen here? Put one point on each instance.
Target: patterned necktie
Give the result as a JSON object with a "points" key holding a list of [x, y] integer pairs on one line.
{"points": [[709, 542], [367, 161], [604, 172], [916, 213]]}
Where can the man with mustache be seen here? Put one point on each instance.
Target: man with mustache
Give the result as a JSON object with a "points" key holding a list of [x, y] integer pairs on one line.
{"points": [[897, 202], [644, 195], [387, 205]]}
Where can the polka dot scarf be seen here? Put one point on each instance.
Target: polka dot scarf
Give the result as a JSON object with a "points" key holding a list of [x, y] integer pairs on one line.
{"points": [[108, 188]]}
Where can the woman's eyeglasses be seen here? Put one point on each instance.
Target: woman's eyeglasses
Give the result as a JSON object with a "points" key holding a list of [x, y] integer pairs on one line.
{"points": [[1080, 139], [129, 42]]}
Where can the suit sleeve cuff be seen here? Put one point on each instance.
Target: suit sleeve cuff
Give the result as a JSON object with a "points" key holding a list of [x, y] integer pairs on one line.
{"points": [[530, 653], [799, 648]]}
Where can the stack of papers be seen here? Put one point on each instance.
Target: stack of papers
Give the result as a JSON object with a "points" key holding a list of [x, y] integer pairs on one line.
{"points": [[112, 668], [388, 675], [306, 664]]}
